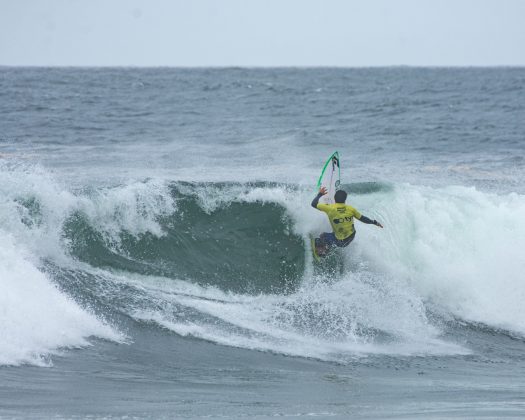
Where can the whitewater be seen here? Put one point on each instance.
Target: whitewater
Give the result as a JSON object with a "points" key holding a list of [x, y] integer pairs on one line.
{"points": [[163, 237]]}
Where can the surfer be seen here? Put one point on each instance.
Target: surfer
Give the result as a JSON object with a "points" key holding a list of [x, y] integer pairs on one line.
{"points": [[341, 218]]}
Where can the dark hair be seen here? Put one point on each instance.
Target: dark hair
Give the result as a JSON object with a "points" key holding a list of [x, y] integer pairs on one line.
{"points": [[340, 196]]}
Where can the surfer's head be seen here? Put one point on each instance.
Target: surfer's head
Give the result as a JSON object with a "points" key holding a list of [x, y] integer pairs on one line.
{"points": [[340, 196]]}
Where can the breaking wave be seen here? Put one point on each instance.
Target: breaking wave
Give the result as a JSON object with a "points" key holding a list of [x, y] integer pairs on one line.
{"points": [[230, 263]]}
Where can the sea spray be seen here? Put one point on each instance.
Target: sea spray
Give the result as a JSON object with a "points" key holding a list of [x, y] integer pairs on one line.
{"points": [[459, 247]]}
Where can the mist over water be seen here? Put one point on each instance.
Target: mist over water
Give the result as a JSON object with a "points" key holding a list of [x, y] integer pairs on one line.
{"points": [[179, 206]]}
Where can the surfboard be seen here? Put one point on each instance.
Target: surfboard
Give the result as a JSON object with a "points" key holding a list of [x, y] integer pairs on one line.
{"points": [[314, 251], [330, 178]]}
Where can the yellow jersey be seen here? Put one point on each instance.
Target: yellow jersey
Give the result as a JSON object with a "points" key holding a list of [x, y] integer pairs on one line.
{"points": [[341, 218]]}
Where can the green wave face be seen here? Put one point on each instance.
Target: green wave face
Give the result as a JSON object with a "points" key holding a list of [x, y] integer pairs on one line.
{"points": [[240, 246]]}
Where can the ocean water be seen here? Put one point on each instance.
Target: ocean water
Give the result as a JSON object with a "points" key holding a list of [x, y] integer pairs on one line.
{"points": [[154, 243]]}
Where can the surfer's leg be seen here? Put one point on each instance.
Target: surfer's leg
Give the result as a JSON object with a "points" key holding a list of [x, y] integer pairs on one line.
{"points": [[328, 238], [324, 242], [320, 247]]}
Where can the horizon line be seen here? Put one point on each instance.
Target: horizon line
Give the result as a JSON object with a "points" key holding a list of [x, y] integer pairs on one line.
{"points": [[254, 67]]}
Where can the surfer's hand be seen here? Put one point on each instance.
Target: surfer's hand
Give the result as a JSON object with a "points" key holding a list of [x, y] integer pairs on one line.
{"points": [[378, 224], [323, 190]]}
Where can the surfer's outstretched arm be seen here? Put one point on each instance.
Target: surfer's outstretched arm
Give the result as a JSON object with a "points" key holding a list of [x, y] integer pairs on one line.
{"points": [[368, 221], [315, 201]]}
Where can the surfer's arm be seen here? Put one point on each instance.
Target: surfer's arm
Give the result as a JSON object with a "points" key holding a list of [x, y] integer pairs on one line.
{"points": [[368, 221], [315, 201]]}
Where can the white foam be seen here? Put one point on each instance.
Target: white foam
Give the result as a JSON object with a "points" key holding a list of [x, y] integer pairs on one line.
{"points": [[36, 319], [329, 321], [33, 206], [134, 208], [460, 248]]}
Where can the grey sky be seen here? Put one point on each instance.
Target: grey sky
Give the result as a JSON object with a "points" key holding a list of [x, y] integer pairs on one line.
{"points": [[262, 32]]}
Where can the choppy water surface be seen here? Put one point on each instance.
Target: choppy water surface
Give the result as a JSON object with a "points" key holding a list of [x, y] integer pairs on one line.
{"points": [[154, 243]]}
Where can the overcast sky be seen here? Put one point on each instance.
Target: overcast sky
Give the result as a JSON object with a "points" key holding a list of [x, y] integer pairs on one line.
{"points": [[262, 32]]}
